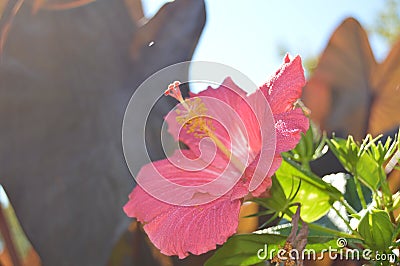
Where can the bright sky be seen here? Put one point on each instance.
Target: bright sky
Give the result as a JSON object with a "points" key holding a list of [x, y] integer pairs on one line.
{"points": [[248, 35]]}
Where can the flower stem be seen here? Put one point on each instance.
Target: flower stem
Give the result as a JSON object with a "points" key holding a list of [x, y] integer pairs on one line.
{"points": [[345, 221], [359, 192], [349, 209], [326, 229], [387, 197], [331, 231]]}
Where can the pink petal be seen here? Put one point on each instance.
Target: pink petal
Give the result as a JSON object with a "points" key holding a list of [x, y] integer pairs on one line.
{"points": [[197, 229], [289, 126], [190, 202], [267, 181], [143, 206], [263, 121], [186, 180], [179, 133], [228, 92], [232, 129], [178, 230], [227, 110], [284, 88]]}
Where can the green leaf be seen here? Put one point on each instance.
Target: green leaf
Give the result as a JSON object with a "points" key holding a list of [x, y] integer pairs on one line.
{"points": [[352, 197], [243, 249], [369, 171], [356, 161], [310, 147], [376, 229], [345, 150], [278, 199], [315, 195], [396, 232], [396, 201]]}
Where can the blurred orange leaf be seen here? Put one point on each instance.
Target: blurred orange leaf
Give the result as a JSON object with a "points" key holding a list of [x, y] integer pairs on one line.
{"points": [[3, 4], [37, 4], [62, 5], [386, 85], [7, 24], [349, 93]]}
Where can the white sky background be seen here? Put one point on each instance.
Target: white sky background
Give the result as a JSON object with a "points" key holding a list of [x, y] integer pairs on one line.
{"points": [[248, 35]]}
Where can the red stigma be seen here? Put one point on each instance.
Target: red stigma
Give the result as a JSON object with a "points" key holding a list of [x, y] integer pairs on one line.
{"points": [[174, 91]]}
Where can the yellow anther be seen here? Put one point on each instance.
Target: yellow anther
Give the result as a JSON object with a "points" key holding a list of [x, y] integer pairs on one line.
{"points": [[195, 121]]}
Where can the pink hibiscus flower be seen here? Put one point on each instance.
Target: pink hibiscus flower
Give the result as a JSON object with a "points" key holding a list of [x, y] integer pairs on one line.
{"points": [[234, 143]]}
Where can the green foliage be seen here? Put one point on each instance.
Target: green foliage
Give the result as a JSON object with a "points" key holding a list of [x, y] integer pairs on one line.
{"points": [[294, 184], [376, 229], [311, 146], [351, 195], [243, 249], [366, 162], [387, 22], [314, 194], [357, 161]]}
